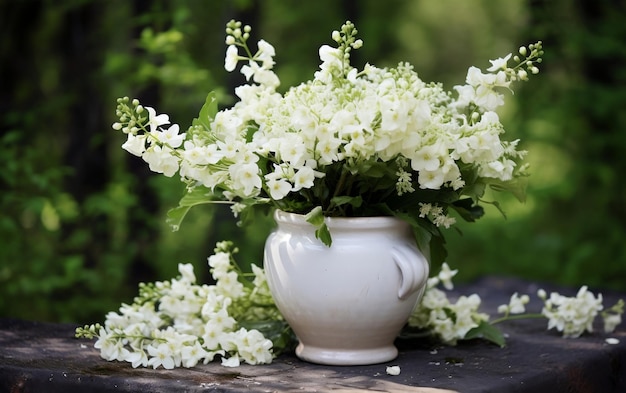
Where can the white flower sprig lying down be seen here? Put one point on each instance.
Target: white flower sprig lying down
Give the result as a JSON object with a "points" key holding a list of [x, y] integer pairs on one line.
{"points": [[460, 320], [180, 323]]}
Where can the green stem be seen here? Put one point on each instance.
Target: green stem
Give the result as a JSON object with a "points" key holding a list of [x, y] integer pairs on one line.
{"points": [[514, 317]]}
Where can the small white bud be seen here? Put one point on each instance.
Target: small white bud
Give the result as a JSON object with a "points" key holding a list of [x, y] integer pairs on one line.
{"points": [[336, 36], [542, 294], [534, 70], [522, 50], [117, 126], [230, 40]]}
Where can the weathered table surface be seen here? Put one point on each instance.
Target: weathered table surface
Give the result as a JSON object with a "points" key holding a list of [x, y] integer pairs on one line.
{"points": [[41, 357]]}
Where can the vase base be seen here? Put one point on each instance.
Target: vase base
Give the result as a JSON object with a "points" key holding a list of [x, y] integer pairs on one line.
{"points": [[346, 357]]}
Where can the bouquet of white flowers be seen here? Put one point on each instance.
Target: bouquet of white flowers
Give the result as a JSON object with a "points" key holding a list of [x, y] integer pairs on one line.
{"points": [[347, 143]]}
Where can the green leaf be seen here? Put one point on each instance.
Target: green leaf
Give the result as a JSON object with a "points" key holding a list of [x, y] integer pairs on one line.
{"points": [[488, 332], [469, 211], [323, 234], [197, 196], [207, 112], [315, 217], [251, 129], [517, 187], [355, 202]]}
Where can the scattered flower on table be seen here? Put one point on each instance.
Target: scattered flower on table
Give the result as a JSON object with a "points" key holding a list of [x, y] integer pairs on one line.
{"points": [[393, 370]]}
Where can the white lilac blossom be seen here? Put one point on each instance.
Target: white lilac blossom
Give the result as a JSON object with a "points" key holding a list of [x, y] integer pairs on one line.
{"points": [[451, 321], [179, 323], [571, 315], [517, 305], [448, 321], [348, 142], [575, 315]]}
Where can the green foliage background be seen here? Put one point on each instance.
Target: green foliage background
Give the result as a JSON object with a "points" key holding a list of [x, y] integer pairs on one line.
{"points": [[82, 222]]}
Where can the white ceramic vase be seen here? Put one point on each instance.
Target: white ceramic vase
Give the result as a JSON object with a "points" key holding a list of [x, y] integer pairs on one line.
{"points": [[348, 302]]}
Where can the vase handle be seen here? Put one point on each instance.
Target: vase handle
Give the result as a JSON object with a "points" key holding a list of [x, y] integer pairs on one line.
{"points": [[413, 269]]}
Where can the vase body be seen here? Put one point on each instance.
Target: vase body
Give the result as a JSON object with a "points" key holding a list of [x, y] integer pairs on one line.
{"points": [[348, 302]]}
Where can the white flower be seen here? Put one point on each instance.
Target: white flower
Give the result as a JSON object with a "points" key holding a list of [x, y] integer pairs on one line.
{"points": [[135, 144], [232, 57], [192, 354], [137, 358], [229, 286], [186, 271], [516, 304], [232, 361], [304, 178], [266, 54], [611, 321], [245, 178], [161, 355], [154, 120], [161, 160], [279, 188], [169, 137], [446, 275], [499, 64], [572, 315], [110, 347]]}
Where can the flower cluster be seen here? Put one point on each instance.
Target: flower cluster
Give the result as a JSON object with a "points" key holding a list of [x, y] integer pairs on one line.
{"points": [[575, 315], [348, 142], [180, 323], [461, 320], [446, 320]]}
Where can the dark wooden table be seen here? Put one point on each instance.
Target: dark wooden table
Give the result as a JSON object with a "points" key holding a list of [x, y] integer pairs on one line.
{"points": [[42, 357]]}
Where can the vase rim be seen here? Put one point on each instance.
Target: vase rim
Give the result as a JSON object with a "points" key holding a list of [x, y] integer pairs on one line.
{"points": [[339, 222]]}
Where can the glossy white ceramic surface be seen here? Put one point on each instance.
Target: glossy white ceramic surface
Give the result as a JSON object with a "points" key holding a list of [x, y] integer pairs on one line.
{"points": [[348, 302]]}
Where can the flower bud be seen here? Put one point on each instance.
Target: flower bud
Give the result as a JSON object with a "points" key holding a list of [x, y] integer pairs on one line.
{"points": [[522, 50]]}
